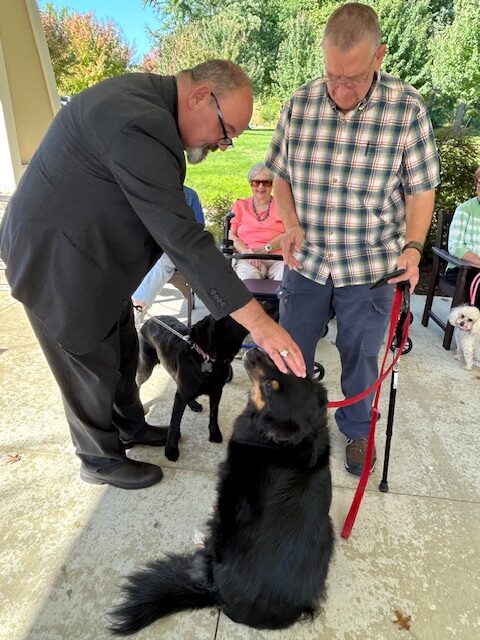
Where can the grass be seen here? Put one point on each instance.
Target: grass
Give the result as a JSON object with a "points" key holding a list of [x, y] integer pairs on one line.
{"points": [[224, 174]]}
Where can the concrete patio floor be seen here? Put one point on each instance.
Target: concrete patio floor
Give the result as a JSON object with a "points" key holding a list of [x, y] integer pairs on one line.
{"points": [[65, 545]]}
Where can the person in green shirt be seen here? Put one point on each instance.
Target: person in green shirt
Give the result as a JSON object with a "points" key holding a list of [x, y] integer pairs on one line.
{"points": [[464, 236]]}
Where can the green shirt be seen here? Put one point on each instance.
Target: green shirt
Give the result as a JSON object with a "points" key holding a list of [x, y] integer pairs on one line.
{"points": [[464, 234]]}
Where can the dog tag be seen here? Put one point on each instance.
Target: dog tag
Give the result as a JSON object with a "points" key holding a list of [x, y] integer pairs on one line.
{"points": [[206, 367]]}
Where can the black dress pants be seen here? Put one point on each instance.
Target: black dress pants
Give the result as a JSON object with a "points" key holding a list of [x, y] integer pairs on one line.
{"points": [[99, 393]]}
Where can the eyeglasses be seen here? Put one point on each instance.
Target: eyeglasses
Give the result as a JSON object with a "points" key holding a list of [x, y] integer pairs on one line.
{"points": [[226, 141], [257, 183], [352, 81]]}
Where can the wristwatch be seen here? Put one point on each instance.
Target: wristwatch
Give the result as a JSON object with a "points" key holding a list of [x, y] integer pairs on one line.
{"points": [[268, 247], [414, 245]]}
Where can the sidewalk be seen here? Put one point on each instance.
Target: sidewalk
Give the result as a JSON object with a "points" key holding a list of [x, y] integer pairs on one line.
{"points": [[65, 545]]}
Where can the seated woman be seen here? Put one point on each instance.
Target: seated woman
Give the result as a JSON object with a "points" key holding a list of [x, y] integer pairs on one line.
{"points": [[257, 228], [464, 236]]}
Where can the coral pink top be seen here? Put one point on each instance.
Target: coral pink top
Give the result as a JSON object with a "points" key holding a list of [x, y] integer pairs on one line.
{"points": [[254, 233]]}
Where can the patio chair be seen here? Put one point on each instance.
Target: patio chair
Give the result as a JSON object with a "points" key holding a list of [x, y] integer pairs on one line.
{"points": [[457, 291]]}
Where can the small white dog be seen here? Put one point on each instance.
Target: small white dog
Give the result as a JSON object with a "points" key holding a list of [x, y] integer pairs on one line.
{"points": [[466, 321]]}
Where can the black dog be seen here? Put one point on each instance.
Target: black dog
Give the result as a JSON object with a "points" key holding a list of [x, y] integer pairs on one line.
{"points": [[199, 366], [270, 539]]}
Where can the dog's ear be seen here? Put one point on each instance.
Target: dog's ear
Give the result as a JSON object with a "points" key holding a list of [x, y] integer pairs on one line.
{"points": [[454, 313], [271, 386], [202, 332]]}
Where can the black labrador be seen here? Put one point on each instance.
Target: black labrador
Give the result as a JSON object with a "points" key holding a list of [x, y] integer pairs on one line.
{"points": [[270, 540], [199, 366]]}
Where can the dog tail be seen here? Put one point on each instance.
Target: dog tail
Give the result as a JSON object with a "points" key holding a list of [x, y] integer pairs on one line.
{"points": [[163, 587]]}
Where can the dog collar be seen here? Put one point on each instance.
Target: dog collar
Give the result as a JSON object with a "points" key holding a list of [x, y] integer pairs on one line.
{"points": [[199, 350]]}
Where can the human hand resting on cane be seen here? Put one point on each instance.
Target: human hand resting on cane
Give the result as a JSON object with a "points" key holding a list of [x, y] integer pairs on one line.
{"points": [[271, 338]]}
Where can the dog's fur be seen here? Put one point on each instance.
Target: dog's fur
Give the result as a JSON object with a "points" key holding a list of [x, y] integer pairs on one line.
{"points": [[466, 321], [220, 339], [270, 539]]}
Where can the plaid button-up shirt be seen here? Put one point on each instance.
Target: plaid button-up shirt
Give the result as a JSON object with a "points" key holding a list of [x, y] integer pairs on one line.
{"points": [[349, 175]]}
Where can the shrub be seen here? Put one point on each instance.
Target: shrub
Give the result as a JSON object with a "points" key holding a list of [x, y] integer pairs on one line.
{"points": [[267, 111], [215, 213]]}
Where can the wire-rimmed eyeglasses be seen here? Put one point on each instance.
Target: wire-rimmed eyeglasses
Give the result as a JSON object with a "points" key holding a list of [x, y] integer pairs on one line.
{"points": [[226, 141], [352, 81]]}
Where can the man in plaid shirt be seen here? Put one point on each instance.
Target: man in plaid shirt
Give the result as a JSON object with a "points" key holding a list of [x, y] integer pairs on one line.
{"points": [[356, 168]]}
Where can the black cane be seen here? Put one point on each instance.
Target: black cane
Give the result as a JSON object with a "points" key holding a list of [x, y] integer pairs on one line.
{"points": [[404, 314]]}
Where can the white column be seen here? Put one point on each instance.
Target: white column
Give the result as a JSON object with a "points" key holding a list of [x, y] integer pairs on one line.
{"points": [[28, 93]]}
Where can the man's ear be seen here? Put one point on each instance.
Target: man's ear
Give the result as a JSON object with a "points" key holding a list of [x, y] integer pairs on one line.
{"points": [[379, 55], [199, 94]]}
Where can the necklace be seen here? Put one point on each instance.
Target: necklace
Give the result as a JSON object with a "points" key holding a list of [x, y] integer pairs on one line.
{"points": [[261, 217]]}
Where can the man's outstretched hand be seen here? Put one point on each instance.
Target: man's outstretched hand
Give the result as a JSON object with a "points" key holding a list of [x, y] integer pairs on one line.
{"points": [[271, 338]]}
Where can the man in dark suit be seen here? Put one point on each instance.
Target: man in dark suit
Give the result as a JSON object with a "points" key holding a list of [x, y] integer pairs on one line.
{"points": [[98, 204]]}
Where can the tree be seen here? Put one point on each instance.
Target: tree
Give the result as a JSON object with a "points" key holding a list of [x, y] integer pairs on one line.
{"points": [[225, 35], [407, 27], [455, 55], [252, 28], [300, 56], [83, 50]]}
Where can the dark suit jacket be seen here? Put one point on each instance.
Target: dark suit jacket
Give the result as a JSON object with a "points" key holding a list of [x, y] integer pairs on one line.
{"points": [[99, 201]]}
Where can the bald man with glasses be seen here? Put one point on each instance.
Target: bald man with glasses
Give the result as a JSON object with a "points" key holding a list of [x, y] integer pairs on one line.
{"points": [[355, 167], [99, 203]]}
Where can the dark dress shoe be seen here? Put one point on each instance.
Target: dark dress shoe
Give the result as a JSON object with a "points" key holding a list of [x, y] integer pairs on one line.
{"points": [[153, 436], [130, 474]]}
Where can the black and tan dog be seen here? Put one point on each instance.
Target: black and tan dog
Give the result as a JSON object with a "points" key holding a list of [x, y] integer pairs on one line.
{"points": [[200, 366], [270, 540]]}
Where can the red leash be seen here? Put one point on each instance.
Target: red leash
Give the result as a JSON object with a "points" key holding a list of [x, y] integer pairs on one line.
{"points": [[377, 385], [474, 288]]}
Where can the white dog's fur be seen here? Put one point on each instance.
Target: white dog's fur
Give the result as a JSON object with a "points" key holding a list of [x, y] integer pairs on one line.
{"points": [[466, 321]]}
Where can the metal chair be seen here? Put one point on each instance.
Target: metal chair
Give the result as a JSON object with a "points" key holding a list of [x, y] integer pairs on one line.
{"points": [[457, 291]]}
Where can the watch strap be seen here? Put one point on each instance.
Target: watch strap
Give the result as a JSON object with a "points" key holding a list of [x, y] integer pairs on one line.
{"points": [[414, 245]]}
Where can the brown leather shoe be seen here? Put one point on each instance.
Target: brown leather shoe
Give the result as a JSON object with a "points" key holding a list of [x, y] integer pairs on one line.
{"points": [[355, 453], [129, 474], [152, 436]]}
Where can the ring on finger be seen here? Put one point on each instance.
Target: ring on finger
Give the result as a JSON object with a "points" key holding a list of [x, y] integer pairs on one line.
{"points": [[284, 353]]}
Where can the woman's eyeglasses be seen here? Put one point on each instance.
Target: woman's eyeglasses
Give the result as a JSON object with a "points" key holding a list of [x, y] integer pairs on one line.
{"points": [[257, 183]]}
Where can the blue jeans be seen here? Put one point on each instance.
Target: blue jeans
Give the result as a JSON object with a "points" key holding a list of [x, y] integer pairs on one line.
{"points": [[363, 315]]}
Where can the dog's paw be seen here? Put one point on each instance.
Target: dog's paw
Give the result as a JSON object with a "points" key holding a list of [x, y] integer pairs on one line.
{"points": [[467, 367], [172, 453], [195, 406], [215, 436]]}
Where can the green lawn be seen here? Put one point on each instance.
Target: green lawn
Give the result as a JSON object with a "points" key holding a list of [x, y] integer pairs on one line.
{"points": [[224, 174]]}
